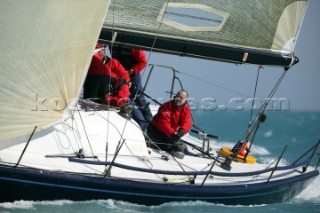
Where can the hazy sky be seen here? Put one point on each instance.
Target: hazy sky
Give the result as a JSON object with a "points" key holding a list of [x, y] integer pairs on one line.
{"points": [[226, 83]]}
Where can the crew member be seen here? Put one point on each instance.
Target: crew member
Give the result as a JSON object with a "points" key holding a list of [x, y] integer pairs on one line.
{"points": [[97, 79], [134, 61], [170, 124], [101, 73]]}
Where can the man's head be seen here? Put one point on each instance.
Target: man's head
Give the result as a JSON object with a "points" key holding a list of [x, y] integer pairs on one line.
{"points": [[101, 49], [180, 98]]}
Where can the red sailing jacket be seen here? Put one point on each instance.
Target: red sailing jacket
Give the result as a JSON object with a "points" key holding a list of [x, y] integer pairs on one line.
{"points": [[121, 95], [141, 60], [117, 70], [120, 83], [169, 118], [98, 68], [133, 59]]}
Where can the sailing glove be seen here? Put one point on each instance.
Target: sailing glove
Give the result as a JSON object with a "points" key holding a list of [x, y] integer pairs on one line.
{"points": [[175, 138], [180, 132]]}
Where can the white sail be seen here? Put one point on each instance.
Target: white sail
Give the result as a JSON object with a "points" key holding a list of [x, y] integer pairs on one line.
{"points": [[288, 27], [45, 49], [219, 30]]}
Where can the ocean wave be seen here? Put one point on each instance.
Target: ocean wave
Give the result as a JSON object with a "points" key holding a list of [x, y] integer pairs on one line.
{"points": [[268, 134], [312, 192], [21, 204]]}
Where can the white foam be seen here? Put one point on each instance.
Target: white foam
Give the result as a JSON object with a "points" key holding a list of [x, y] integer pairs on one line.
{"points": [[55, 202], [109, 203], [22, 204], [268, 134], [312, 191], [120, 206], [18, 205], [259, 150]]}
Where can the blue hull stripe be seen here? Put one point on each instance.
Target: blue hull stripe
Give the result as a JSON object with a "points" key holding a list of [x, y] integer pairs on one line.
{"points": [[132, 193]]}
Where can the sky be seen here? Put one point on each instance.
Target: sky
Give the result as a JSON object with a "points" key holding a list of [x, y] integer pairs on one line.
{"points": [[225, 86]]}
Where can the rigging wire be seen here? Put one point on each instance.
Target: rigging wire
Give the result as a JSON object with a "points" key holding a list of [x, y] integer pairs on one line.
{"points": [[152, 47], [254, 95], [109, 83], [248, 133], [85, 131], [258, 119], [214, 84]]}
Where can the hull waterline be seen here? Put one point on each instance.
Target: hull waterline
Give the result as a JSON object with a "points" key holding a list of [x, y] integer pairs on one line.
{"points": [[33, 184]]}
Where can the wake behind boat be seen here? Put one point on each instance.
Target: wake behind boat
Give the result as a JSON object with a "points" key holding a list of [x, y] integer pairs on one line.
{"points": [[57, 147]]}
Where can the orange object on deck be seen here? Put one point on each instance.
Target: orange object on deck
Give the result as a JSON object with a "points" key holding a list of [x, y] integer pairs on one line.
{"points": [[243, 149]]}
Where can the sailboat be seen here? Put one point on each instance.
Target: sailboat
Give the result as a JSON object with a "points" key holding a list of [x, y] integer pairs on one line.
{"points": [[53, 145]]}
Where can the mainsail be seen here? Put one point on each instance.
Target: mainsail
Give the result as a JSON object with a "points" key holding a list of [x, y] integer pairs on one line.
{"points": [[246, 31], [45, 49]]}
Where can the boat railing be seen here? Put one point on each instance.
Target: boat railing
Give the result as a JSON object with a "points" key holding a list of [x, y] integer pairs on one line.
{"points": [[278, 161], [174, 77], [170, 172], [293, 167], [313, 149]]}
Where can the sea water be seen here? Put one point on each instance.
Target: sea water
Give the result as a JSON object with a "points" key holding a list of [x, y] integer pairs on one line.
{"points": [[298, 130]]}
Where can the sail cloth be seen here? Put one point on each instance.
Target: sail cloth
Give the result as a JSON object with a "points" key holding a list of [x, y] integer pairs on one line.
{"points": [[245, 31], [45, 50]]}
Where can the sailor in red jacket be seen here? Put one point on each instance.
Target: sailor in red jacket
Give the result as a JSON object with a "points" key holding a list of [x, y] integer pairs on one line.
{"points": [[115, 69], [120, 91], [134, 61], [99, 76], [120, 83], [171, 123], [97, 79]]}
